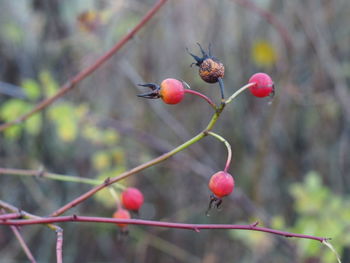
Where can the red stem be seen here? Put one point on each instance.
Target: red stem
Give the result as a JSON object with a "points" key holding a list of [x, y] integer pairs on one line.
{"points": [[59, 245], [23, 244], [70, 84], [195, 227], [202, 96], [10, 216]]}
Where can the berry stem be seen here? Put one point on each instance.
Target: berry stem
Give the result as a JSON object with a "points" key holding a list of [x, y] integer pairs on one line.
{"points": [[115, 197], [228, 146], [222, 87], [207, 99], [234, 95], [195, 227]]}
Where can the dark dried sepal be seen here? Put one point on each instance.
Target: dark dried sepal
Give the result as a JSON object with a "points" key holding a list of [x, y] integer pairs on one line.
{"points": [[154, 94]]}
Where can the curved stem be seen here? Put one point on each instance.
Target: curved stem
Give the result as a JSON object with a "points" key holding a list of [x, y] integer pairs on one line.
{"points": [[228, 146], [207, 99], [72, 83], [234, 95], [115, 197], [195, 227]]}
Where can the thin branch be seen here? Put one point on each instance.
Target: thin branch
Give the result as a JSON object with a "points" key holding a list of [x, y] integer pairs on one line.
{"points": [[23, 244], [3, 217], [141, 167], [194, 227], [23, 214], [72, 83], [59, 177], [234, 95], [207, 99], [10, 216], [228, 146], [59, 246]]}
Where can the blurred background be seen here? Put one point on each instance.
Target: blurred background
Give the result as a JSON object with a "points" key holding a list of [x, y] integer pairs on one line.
{"points": [[290, 153]]}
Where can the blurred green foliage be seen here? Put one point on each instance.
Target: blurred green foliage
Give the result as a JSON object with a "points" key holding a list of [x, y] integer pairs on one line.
{"points": [[321, 213]]}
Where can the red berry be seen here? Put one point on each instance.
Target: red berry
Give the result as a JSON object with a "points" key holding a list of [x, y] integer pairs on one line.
{"points": [[171, 91], [122, 214], [221, 184], [263, 85], [132, 199]]}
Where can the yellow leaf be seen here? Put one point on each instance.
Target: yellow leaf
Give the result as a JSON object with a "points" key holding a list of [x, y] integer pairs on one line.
{"points": [[263, 53], [101, 160]]}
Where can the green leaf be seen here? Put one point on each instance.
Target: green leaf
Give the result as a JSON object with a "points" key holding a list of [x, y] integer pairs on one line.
{"points": [[13, 108], [63, 115], [31, 88], [33, 124], [50, 86]]}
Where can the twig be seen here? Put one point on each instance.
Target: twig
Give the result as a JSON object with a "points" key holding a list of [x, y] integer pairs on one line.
{"points": [[72, 83], [59, 245], [53, 176], [141, 167], [207, 99], [10, 216], [234, 95], [24, 214], [23, 244], [18, 235], [194, 227]]}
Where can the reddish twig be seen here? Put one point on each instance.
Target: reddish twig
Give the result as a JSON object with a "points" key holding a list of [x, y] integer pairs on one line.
{"points": [[202, 96], [23, 244], [194, 227], [10, 216], [18, 235], [270, 18], [59, 245], [70, 84]]}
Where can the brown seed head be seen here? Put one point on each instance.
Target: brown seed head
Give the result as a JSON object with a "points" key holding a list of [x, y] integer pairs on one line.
{"points": [[210, 70]]}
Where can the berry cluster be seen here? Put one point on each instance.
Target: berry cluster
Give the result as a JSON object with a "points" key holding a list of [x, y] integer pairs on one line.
{"points": [[131, 199], [172, 91]]}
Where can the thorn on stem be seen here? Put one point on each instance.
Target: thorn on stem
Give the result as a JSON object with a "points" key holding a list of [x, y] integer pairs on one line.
{"points": [[107, 181], [196, 230], [41, 172], [254, 224]]}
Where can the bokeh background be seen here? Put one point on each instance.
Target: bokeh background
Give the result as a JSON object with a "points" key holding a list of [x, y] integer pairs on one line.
{"points": [[290, 154]]}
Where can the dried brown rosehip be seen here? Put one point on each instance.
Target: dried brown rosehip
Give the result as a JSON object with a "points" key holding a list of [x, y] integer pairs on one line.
{"points": [[211, 70]]}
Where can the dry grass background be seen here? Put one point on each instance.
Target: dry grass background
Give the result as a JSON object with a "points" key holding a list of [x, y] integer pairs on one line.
{"points": [[305, 127]]}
